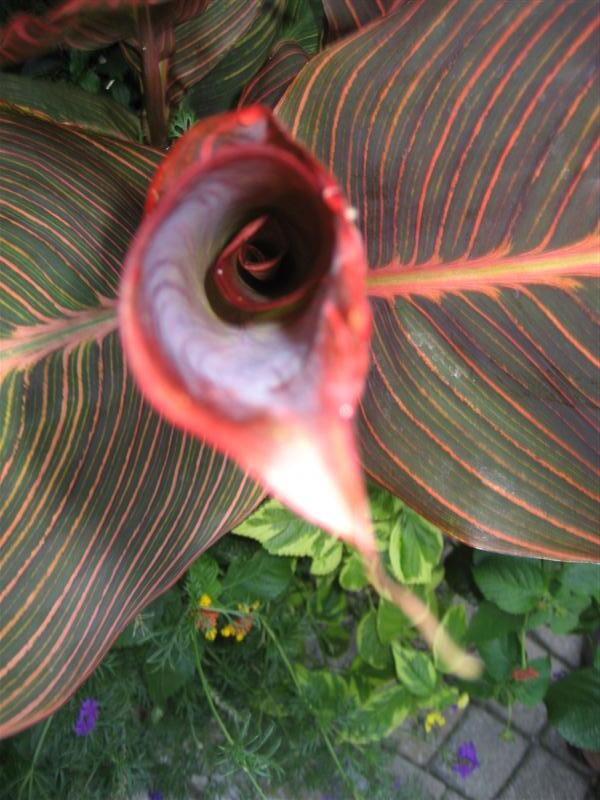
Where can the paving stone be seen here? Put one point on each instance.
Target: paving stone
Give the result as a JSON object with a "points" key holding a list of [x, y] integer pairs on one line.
{"points": [[452, 795], [565, 646], [411, 741], [498, 758], [534, 649], [525, 719], [403, 769], [543, 777], [555, 743]]}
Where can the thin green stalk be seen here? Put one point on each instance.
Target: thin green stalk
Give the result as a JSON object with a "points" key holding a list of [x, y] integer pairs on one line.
{"points": [[228, 737], [29, 779], [322, 730], [522, 642]]}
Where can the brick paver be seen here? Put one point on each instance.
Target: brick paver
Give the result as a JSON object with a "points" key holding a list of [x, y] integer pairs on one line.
{"points": [[543, 777], [534, 764], [498, 758]]}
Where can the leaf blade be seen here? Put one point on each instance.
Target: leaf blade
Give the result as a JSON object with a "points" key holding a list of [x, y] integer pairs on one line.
{"points": [[479, 410], [104, 505]]}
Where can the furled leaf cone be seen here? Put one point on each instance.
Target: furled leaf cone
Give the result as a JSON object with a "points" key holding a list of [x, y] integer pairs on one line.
{"points": [[244, 317]]}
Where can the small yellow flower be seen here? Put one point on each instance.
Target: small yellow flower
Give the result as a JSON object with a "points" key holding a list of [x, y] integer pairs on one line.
{"points": [[463, 701], [228, 630], [255, 605], [239, 637], [205, 601], [432, 719], [244, 608], [211, 634]]}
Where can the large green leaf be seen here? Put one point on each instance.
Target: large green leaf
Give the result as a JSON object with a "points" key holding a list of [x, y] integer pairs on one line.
{"points": [[466, 135], [572, 705], [103, 504]]}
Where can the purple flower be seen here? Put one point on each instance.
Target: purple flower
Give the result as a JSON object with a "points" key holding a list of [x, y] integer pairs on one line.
{"points": [[155, 794], [397, 784], [559, 674], [87, 717], [466, 760]]}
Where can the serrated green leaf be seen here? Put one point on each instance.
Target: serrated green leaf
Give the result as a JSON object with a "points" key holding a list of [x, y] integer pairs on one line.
{"points": [[283, 533], [386, 509], [415, 548], [366, 679], [326, 692], [491, 622], [500, 656], [515, 585], [263, 576], [352, 575], [454, 622], [582, 579], [573, 704], [329, 560], [414, 669], [380, 715], [370, 647]]}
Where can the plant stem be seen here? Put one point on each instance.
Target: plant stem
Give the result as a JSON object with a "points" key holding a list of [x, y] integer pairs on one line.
{"points": [[522, 643], [29, 779], [322, 730], [153, 74], [228, 737]]}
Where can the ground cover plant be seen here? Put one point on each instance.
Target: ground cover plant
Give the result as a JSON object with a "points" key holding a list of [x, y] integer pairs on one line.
{"points": [[273, 667], [185, 331]]}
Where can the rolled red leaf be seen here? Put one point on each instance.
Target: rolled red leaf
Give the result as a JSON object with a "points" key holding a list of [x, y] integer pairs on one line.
{"points": [[244, 317]]}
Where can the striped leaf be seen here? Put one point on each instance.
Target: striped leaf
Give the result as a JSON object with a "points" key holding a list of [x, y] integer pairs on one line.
{"points": [[346, 16], [84, 24], [103, 504], [203, 42], [68, 105], [305, 28], [270, 82], [466, 135], [217, 53]]}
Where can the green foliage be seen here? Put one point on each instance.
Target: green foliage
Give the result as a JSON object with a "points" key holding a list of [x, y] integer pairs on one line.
{"points": [[284, 534], [573, 704], [415, 670], [230, 676], [415, 548], [514, 586], [181, 120], [265, 672]]}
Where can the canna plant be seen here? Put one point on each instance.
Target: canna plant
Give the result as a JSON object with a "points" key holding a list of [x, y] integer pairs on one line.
{"points": [[184, 331]]}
